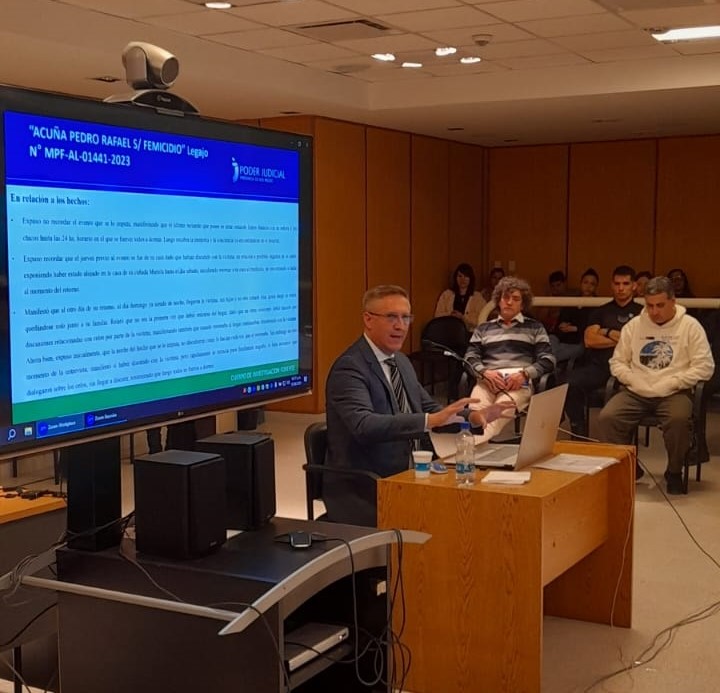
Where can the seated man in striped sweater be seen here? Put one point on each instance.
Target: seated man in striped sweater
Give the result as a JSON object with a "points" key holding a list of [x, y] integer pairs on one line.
{"points": [[508, 353]]}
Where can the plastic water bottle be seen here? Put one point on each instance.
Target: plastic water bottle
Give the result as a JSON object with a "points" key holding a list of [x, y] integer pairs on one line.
{"points": [[465, 456]]}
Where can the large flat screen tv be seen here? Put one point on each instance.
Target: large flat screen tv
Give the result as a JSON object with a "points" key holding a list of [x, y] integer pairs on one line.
{"points": [[153, 268]]}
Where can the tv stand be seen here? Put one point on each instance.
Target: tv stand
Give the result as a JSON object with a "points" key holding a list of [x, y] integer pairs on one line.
{"points": [[111, 646]]}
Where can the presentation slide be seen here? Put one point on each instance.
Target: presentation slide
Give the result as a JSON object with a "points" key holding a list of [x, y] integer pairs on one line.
{"points": [[179, 278]]}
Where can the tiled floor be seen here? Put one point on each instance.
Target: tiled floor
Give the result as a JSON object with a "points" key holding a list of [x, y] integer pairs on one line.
{"points": [[673, 578]]}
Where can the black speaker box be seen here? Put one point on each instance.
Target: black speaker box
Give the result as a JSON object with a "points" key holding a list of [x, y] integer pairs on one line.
{"points": [[179, 503], [93, 474], [250, 467]]}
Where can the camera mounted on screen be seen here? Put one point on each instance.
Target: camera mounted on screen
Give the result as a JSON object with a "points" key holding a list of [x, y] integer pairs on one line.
{"points": [[151, 70]]}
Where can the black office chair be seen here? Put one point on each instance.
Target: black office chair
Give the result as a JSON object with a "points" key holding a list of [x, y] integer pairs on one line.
{"points": [[697, 428], [432, 367], [315, 468]]}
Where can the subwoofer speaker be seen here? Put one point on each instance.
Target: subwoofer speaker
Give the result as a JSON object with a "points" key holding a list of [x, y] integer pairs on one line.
{"points": [[250, 468], [179, 503]]}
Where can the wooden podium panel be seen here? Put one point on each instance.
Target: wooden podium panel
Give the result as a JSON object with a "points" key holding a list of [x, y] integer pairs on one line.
{"points": [[500, 557]]}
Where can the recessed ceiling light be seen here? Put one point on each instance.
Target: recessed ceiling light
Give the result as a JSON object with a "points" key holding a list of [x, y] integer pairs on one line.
{"points": [[470, 60], [383, 57], [447, 50], [687, 34], [218, 5], [407, 64]]}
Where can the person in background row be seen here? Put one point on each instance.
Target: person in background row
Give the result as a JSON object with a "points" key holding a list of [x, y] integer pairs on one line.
{"points": [[496, 274], [680, 283], [567, 339], [641, 280], [660, 357], [549, 315], [600, 337], [461, 300], [508, 353]]}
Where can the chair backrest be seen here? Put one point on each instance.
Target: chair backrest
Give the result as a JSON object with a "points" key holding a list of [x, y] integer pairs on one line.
{"points": [[315, 449], [448, 331]]}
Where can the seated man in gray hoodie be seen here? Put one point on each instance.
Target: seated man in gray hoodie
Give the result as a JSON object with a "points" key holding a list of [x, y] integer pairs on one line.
{"points": [[659, 358]]}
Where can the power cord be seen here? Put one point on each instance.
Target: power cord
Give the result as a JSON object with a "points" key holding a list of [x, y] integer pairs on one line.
{"points": [[664, 638]]}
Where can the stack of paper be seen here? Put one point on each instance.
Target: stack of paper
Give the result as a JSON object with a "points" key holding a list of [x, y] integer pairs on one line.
{"points": [[581, 464], [506, 478]]}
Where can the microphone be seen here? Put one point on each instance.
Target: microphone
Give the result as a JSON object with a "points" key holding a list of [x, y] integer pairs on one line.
{"points": [[446, 351]]}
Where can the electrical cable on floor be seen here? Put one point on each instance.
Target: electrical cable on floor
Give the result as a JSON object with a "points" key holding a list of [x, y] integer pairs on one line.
{"points": [[664, 638]]}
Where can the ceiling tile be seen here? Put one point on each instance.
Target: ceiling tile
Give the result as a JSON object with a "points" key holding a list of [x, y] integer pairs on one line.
{"points": [[297, 12], [202, 22], [540, 61], [349, 65], [567, 26], [636, 53], [263, 38], [518, 49], [311, 53], [448, 18], [524, 10], [457, 69], [702, 14], [464, 37], [393, 44], [376, 7], [613, 39], [397, 74], [697, 47], [135, 8]]}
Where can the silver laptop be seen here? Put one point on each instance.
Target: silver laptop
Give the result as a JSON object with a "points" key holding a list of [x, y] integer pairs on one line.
{"points": [[539, 435]]}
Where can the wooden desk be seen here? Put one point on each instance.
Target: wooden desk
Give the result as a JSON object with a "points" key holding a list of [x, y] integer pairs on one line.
{"points": [[500, 557], [12, 509]]}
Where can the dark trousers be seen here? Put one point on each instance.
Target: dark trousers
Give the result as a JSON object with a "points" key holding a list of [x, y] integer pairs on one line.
{"points": [[620, 417], [583, 381]]}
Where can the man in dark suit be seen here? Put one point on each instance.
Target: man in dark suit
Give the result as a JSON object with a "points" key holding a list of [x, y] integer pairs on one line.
{"points": [[374, 419]]}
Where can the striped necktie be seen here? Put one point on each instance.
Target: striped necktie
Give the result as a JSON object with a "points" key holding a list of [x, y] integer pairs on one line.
{"points": [[398, 387]]}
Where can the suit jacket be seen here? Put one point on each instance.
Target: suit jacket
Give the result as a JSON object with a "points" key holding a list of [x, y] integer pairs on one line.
{"points": [[366, 430]]}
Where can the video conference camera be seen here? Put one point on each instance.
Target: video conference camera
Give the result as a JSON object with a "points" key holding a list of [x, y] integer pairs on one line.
{"points": [[151, 70], [148, 66]]}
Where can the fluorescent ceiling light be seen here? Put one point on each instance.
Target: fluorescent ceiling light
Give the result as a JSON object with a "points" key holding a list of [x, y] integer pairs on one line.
{"points": [[218, 5], [446, 50], [470, 60], [383, 57], [406, 64], [688, 34]]}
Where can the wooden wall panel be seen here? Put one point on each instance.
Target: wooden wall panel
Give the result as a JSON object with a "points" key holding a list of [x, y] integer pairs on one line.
{"points": [[527, 212], [612, 207], [339, 244], [340, 259], [388, 207], [688, 210], [465, 220], [429, 248], [303, 125]]}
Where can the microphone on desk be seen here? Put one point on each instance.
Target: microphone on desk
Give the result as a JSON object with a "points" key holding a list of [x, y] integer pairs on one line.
{"points": [[445, 351]]}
